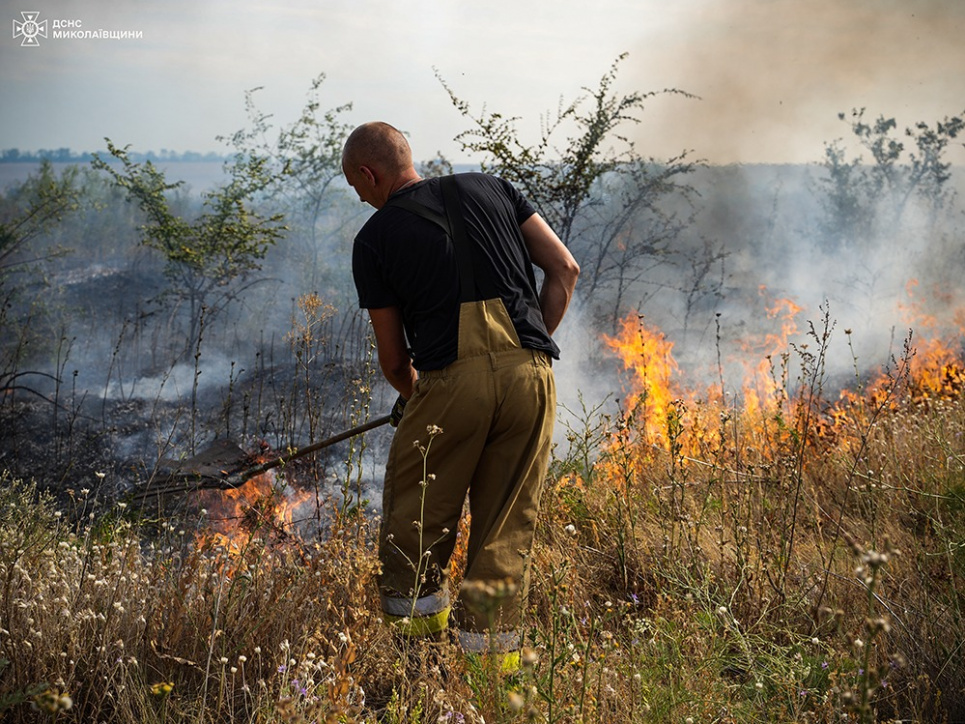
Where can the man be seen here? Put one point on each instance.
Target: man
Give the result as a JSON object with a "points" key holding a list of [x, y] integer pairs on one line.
{"points": [[445, 268]]}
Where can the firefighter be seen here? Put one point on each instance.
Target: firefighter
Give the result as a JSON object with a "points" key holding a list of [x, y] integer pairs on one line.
{"points": [[463, 333]]}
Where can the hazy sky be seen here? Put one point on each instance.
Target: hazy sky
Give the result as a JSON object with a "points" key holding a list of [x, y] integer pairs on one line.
{"points": [[771, 74]]}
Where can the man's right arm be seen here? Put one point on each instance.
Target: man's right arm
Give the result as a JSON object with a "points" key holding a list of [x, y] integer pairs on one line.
{"points": [[394, 359], [560, 270]]}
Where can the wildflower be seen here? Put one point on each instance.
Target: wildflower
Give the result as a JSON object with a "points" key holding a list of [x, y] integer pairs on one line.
{"points": [[162, 688]]}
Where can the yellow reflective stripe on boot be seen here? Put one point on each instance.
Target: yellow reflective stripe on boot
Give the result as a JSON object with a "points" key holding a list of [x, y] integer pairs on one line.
{"points": [[420, 625]]}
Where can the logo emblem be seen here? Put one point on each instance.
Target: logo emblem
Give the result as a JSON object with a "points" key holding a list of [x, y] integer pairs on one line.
{"points": [[29, 28]]}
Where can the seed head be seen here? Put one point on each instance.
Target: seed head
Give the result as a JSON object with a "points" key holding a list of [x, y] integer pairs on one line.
{"points": [[52, 702]]}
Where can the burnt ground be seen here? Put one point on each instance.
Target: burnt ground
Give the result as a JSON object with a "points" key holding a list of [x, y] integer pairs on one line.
{"points": [[117, 449]]}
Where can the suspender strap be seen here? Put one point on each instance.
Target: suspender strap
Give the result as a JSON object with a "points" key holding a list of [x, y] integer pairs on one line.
{"points": [[454, 226], [420, 210], [460, 241]]}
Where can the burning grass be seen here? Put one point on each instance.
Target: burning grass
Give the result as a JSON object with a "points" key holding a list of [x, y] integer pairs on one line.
{"points": [[768, 555]]}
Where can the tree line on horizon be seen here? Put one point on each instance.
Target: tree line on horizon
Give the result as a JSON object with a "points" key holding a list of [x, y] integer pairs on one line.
{"points": [[67, 155]]}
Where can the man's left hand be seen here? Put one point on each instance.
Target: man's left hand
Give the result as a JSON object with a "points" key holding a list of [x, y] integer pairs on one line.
{"points": [[395, 417]]}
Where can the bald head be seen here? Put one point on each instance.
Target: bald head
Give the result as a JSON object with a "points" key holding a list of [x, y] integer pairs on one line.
{"points": [[377, 145], [377, 161]]}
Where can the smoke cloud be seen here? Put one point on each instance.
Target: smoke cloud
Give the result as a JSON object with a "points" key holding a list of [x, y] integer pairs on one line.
{"points": [[772, 76]]}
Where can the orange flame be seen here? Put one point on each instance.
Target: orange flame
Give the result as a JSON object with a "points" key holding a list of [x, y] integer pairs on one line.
{"points": [[937, 369], [657, 399], [649, 354], [761, 391], [259, 510]]}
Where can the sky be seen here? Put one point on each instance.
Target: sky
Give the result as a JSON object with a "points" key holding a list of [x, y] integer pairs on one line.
{"points": [[769, 76]]}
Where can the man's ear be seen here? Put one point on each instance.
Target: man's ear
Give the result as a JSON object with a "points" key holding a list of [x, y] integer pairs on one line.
{"points": [[369, 173]]}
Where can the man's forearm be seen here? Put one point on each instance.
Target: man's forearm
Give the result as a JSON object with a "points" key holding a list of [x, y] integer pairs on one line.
{"points": [[560, 269], [402, 378], [394, 359], [554, 300]]}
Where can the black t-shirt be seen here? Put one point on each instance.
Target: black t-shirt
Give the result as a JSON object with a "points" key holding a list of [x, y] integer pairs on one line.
{"points": [[400, 259]]}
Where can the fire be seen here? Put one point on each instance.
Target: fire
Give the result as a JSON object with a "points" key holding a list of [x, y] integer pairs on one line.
{"points": [[761, 389], [259, 510], [678, 419], [937, 368], [649, 354], [659, 399]]}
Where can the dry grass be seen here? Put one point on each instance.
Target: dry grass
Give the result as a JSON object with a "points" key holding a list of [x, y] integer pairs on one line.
{"points": [[797, 563]]}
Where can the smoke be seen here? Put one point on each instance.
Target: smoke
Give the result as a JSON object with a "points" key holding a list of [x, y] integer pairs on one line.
{"points": [[586, 376], [772, 76], [783, 286], [142, 385]]}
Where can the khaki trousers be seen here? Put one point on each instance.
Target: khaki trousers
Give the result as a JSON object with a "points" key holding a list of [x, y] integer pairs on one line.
{"points": [[495, 406]]}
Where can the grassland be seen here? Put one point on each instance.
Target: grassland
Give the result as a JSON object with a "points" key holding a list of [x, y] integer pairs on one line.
{"points": [[792, 557]]}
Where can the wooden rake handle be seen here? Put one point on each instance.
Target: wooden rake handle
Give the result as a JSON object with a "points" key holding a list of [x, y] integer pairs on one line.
{"points": [[240, 477]]}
